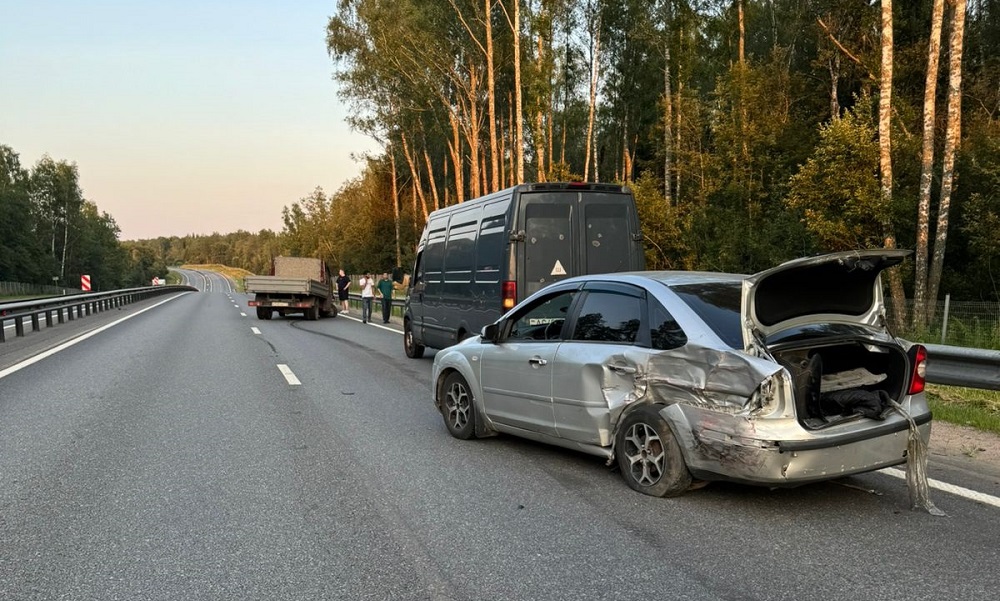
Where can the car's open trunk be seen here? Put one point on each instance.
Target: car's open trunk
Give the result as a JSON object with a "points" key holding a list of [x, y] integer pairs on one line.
{"points": [[836, 382]]}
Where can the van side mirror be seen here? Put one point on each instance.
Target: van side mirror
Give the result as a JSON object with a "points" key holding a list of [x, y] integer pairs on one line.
{"points": [[490, 332]]}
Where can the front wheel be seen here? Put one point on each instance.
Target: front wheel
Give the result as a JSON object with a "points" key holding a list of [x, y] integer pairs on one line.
{"points": [[413, 350], [457, 407], [649, 456]]}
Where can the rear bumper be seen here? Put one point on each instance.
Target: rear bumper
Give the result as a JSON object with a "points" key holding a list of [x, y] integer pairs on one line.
{"points": [[728, 447]]}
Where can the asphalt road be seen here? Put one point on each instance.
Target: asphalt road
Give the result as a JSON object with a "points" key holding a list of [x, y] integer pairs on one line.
{"points": [[169, 457]]}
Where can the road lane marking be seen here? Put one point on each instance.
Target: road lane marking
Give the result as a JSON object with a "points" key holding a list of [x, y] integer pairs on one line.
{"points": [[289, 375], [371, 323], [966, 493], [242, 314], [52, 351], [255, 330]]}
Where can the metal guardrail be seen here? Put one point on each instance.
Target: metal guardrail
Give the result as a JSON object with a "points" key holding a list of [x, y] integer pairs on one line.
{"points": [[960, 366], [67, 308]]}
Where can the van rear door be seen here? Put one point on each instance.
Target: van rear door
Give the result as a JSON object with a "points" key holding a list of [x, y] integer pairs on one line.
{"points": [[549, 239], [572, 232]]}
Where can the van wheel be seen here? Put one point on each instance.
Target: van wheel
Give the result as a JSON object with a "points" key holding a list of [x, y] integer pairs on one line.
{"points": [[457, 407], [413, 350], [649, 456]]}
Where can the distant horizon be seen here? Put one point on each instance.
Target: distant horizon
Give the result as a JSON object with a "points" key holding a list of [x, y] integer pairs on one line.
{"points": [[185, 119]]}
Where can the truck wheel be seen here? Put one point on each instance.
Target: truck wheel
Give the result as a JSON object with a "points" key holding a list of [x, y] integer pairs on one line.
{"points": [[649, 456], [263, 313], [413, 350], [312, 313]]}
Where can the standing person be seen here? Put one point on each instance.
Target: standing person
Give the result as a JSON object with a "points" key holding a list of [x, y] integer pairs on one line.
{"points": [[367, 296], [385, 293], [343, 289]]}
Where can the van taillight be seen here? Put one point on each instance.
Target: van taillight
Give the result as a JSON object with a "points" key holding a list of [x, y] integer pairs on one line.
{"points": [[917, 379], [509, 295]]}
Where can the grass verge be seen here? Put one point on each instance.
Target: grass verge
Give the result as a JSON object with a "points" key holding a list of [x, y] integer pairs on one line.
{"points": [[966, 406]]}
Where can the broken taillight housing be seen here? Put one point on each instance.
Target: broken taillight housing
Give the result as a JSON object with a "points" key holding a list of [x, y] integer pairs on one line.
{"points": [[509, 294], [918, 378]]}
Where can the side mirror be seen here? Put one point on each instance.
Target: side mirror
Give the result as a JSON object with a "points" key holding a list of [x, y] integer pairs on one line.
{"points": [[490, 332]]}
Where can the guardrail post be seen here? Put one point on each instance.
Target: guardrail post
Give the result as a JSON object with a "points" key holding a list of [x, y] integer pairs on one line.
{"points": [[35, 327], [944, 322], [19, 326], [48, 318]]}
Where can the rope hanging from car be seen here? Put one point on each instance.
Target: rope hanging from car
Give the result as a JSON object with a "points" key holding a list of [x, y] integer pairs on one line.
{"points": [[916, 467]]}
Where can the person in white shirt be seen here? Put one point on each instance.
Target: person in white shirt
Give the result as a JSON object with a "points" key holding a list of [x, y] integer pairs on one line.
{"points": [[367, 284]]}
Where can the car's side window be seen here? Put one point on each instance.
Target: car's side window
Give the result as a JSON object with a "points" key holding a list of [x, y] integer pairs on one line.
{"points": [[607, 316], [665, 332], [542, 320]]}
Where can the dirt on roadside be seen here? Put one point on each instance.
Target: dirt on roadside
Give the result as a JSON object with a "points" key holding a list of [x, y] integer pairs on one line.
{"points": [[967, 446]]}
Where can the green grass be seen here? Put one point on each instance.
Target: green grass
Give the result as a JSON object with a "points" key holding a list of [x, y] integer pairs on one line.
{"points": [[966, 406]]}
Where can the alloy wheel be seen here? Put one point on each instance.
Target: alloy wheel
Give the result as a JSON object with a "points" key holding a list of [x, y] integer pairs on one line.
{"points": [[644, 451]]}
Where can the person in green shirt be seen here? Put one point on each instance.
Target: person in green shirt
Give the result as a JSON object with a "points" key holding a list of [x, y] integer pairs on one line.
{"points": [[385, 293]]}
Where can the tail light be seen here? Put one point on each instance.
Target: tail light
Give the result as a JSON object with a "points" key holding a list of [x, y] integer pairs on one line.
{"points": [[509, 295], [917, 378]]}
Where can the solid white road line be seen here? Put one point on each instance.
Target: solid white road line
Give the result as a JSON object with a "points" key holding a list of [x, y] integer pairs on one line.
{"points": [[289, 376], [255, 330], [52, 351], [966, 493], [371, 323]]}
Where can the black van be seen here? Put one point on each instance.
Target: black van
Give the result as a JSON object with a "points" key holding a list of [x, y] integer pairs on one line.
{"points": [[477, 259]]}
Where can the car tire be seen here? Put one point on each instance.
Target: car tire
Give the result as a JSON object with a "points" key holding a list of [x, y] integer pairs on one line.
{"points": [[413, 350], [263, 313], [458, 407], [649, 456]]}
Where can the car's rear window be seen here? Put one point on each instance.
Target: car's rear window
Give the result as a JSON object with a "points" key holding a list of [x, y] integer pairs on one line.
{"points": [[718, 305]]}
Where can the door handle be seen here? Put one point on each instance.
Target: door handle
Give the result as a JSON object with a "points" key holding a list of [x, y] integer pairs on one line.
{"points": [[622, 369], [538, 361]]}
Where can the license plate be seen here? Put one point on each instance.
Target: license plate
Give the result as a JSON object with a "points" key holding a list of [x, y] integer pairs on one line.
{"points": [[279, 304]]}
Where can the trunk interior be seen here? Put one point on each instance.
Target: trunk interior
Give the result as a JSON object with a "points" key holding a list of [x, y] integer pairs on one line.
{"points": [[839, 382]]}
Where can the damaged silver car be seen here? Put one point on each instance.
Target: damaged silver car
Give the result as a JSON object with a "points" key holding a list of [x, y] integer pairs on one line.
{"points": [[782, 378]]}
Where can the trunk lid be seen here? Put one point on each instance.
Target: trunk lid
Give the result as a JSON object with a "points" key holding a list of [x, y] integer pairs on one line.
{"points": [[834, 288]]}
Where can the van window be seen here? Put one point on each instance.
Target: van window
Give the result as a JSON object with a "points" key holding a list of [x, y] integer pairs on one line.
{"points": [[489, 247], [434, 253], [460, 249], [608, 237]]}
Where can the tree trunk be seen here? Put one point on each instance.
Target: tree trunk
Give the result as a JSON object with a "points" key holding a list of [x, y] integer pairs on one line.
{"points": [[430, 178], [742, 41], [951, 141], [595, 49], [667, 117], [418, 188], [455, 148], [395, 205], [834, 66], [926, 170], [518, 97], [539, 114], [491, 99], [885, 162], [472, 133]]}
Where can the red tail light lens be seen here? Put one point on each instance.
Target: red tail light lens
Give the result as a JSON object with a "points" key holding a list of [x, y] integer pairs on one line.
{"points": [[509, 293], [917, 379]]}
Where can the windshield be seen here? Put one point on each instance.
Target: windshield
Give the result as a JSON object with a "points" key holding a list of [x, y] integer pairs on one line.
{"points": [[718, 305]]}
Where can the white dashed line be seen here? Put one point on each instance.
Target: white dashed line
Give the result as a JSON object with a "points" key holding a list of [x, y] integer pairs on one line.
{"points": [[255, 330], [289, 376], [242, 314], [966, 493]]}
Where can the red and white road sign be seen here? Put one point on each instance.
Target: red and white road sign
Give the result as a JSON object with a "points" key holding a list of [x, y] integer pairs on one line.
{"points": [[85, 283]]}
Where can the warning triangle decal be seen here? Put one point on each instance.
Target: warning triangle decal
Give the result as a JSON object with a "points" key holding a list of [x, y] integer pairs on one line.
{"points": [[557, 269]]}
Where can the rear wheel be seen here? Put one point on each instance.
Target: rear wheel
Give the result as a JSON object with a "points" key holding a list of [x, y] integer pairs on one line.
{"points": [[457, 407], [649, 456], [312, 313], [413, 350], [263, 313]]}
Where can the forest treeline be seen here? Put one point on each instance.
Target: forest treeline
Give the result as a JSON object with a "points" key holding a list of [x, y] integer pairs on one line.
{"points": [[50, 234], [751, 131]]}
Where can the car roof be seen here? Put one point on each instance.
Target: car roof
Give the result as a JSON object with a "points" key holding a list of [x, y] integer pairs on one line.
{"points": [[669, 278]]}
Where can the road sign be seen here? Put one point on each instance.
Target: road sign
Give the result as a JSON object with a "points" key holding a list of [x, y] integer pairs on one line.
{"points": [[85, 283]]}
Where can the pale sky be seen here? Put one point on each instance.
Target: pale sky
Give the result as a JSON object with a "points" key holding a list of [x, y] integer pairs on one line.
{"points": [[183, 116]]}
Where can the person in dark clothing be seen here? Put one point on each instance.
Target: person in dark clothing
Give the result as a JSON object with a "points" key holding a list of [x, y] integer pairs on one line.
{"points": [[385, 293], [343, 288]]}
